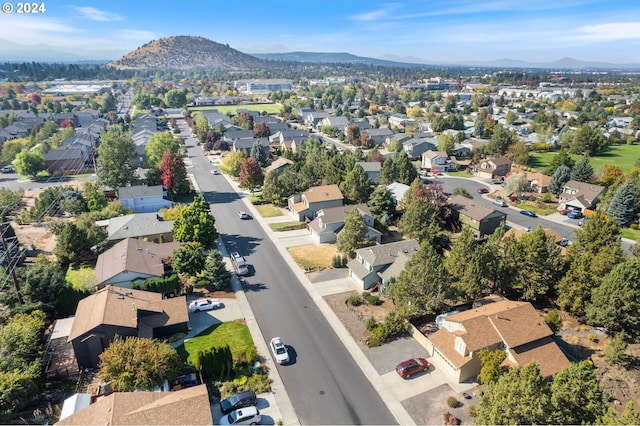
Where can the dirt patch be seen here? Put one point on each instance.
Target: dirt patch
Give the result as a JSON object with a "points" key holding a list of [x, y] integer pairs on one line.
{"points": [[313, 257], [353, 317]]}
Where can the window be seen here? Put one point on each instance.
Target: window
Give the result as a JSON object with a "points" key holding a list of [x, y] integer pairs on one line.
{"points": [[460, 346]]}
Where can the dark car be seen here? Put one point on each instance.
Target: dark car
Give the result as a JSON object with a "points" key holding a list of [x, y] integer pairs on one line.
{"points": [[483, 191], [239, 400], [412, 366], [528, 213], [564, 212]]}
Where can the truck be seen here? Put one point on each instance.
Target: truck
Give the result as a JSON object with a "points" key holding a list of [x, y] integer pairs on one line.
{"points": [[239, 264]]}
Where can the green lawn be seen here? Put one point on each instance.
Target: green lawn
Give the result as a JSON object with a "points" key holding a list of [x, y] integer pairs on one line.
{"points": [[287, 226], [231, 333], [269, 108], [81, 278], [629, 233], [623, 156], [461, 174], [537, 209], [268, 210]]}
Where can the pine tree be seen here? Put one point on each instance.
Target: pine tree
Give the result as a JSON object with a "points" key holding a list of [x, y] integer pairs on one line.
{"points": [[624, 203], [356, 186], [215, 274], [583, 171], [353, 234], [561, 176], [381, 203], [258, 154], [406, 171], [387, 172]]}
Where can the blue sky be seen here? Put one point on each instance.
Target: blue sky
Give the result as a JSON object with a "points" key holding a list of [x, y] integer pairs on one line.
{"points": [[438, 31]]}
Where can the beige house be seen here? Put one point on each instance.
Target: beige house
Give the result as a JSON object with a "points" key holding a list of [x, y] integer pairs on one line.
{"points": [[580, 196], [329, 222], [513, 327], [306, 205], [497, 167]]}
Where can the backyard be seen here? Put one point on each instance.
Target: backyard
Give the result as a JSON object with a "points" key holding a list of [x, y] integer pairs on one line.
{"points": [[232, 333], [224, 109]]}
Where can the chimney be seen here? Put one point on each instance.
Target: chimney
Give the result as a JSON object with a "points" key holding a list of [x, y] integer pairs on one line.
{"points": [[134, 306]]}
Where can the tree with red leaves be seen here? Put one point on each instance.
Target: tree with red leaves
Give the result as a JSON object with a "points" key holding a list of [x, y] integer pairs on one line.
{"points": [[173, 173], [250, 174]]}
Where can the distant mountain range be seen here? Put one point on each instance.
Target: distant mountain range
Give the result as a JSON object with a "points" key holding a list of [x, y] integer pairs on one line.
{"points": [[187, 52]]}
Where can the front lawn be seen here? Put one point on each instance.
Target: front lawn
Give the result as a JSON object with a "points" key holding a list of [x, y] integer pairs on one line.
{"points": [[268, 210], [460, 174], [231, 333], [81, 277], [623, 156], [537, 209], [629, 233], [314, 257], [287, 226]]}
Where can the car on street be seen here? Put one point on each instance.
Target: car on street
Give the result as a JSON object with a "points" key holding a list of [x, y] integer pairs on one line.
{"points": [[215, 172], [436, 172], [8, 169], [243, 416], [204, 304], [528, 213], [243, 215], [412, 366], [500, 203], [483, 191], [239, 400], [239, 264], [575, 215], [279, 350]]}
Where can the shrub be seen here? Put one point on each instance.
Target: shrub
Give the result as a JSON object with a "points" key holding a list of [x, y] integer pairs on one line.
{"points": [[354, 300], [615, 352], [370, 323], [345, 260], [633, 226], [546, 198], [240, 381], [452, 402], [371, 299], [553, 320], [336, 261], [378, 336], [472, 411], [395, 324], [175, 337], [592, 337]]}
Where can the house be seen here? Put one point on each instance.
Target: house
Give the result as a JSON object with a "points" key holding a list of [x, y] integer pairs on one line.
{"points": [[132, 260], [371, 168], [538, 182], [513, 327], [314, 199], [557, 238], [480, 218], [370, 262], [149, 226], [114, 311], [329, 222], [59, 160], [398, 190], [580, 195], [278, 166], [497, 167], [339, 123], [189, 406], [377, 137], [143, 198], [416, 147], [437, 160]]}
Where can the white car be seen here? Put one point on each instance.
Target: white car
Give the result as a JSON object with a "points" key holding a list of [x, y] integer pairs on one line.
{"points": [[204, 305], [215, 172], [243, 416], [279, 350], [243, 215]]}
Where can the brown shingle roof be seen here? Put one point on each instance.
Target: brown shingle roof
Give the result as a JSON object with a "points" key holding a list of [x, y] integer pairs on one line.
{"points": [[318, 194], [545, 352], [470, 207], [133, 255], [123, 307], [188, 406]]}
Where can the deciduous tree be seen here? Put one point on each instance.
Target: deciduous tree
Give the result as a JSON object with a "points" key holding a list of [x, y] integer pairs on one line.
{"points": [[194, 223], [115, 151], [250, 174], [29, 163], [173, 173], [157, 145], [353, 235], [175, 98], [232, 163], [188, 259], [138, 363]]}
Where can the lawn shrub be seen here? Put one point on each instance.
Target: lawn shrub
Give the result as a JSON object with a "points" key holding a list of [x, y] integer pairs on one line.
{"points": [[371, 299], [370, 323], [378, 336], [354, 300], [553, 320], [452, 402]]}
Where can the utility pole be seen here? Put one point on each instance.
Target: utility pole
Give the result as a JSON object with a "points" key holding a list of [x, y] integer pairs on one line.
{"points": [[10, 265]]}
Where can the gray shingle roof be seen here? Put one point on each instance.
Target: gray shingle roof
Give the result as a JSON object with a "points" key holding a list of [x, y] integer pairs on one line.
{"points": [[386, 254]]}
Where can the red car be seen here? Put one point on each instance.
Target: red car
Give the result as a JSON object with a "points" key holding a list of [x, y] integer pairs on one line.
{"points": [[436, 172], [563, 212], [412, 366], [483, 191]]}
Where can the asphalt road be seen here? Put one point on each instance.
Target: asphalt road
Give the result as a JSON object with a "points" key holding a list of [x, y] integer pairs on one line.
{"points": [[323, 382]]}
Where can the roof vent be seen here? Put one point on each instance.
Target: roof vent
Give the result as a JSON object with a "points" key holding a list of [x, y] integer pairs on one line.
{"points": [[128, 292], [121, 296], [498, 314]]}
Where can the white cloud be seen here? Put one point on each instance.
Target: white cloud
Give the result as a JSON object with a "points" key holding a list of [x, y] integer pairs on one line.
{"points": [[139, 35], [94, 14], [31, 29], [376, 14], [608, 32]]}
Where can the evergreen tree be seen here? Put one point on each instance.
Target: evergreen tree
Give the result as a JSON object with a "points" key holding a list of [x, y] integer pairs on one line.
{"points": [[381, 204], [561, 176], [576, 396], [583, 171], [258, 153], [356, 186], [353, 234], [387, 172], [561, 159], [215, 274], [623, 205], [405, 171], [464, 265]]}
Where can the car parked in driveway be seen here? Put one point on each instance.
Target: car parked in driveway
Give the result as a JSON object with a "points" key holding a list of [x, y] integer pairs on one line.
{"points": [[528, 213], [239, 400], [563, 212], [575, 215], [412, 366], [279, 350], [243, 416], [204, 305]]}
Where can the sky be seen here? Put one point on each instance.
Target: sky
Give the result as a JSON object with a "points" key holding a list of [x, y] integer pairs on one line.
{"points": [[436, 31]]}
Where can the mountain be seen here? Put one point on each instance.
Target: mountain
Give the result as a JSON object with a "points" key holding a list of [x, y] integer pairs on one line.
{"points": [[187, 52], [332, 58], [15, 52], [564, 63]]}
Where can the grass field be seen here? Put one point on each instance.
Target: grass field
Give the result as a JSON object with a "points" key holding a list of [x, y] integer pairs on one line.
{"points": [[268, 210], [287, 226], [537, 209], [314, 257], [81, 278], [623, 156], [224, 109], [231, 333], [632, 234]]}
